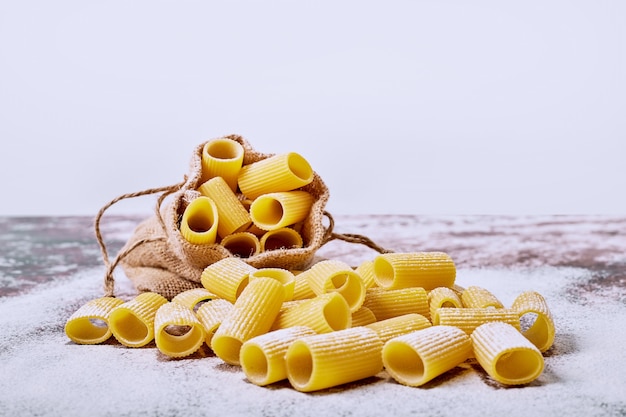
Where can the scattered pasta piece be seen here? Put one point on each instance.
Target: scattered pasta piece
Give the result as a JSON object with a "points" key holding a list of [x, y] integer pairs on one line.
{"points": [[284, 276], [479, 297], [227, 277], [468, 319], [177, 330], [194, 297], [336, 276], [89, 324], [399, 325], [325, 313], [541, 332], [443, 297], [427, 270], [362, 317], [132, 322], [211, 314], [391, 303]]}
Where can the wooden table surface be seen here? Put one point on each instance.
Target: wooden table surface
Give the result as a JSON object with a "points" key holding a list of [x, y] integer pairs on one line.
{"points": [[49, 266]]}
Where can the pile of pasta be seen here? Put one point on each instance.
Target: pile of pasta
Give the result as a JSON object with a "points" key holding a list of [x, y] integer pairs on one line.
{"points": [[250, 208], [333, 324]]}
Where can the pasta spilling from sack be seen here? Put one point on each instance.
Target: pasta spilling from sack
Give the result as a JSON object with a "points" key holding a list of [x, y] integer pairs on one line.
{"points": [[325, 326]]}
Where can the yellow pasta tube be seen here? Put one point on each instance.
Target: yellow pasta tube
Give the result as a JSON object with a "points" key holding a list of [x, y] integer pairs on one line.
{"points": [[284, 276], [469, 319], [330, 359], [199, 222], [211, 314], [132, 322], [233, 216], [336, 276], [277, 210], [415, 358], [506, 355], [283, 238], [362, 317], [301, 289], [391, 303], [479, 297], [193, 298], [283, 172], [414, 269], [252, 315], [366, 271], [443, 297], [227, 277], [177, 330], [531, 305], [325, 313], [399, 325], [242, 244], [222, 157], [262, 358], [89, 324]]}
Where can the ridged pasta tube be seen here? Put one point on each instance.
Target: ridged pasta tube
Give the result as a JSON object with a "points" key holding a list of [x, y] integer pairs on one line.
{"points": [[284, 276], [132, 322], [283, 172], [414, 269], [336, 276], [415, 358], [277, 210], [193, 298], [506, 355], [222, 157], [399, 325], [325, 313], [468, 319], [330, 359], [362, 317], [233, 216], [262, 358], [177, 330], [443, 297], [227, 277], [302, 290], [479, 297], [199, 222], [391, 303], [89, 324], [211, 314], [541, 333], [242, 244], [283, 238], [252, 315], [366, 271]]}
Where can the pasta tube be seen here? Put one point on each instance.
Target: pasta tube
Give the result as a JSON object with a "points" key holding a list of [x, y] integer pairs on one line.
{"points": [[414, 269], [391, 303], [366, 271], [479, 297], [132, 322], [468, 319], [284, 172], [199, 222], [89, 325], [506, 355], [284, 276], [325, 313], [277, 210], [262, 358], [415, 358], [336, 276], [362, 317], [443, 297], [283, 238], [222, 157], [211, 315], [242, 244], [233, 216], [541, 332], [396, 326], [301, 289], [227, 277], [177, 330], [252, 315], [330, 359], [193, 298]]}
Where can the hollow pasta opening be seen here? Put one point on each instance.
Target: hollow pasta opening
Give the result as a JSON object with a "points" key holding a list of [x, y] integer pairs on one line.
{"points": [[180, 340], [87, 329], [535, 327], [350, 286], [267, 212], [384, 272], [254, 362], [336, 314], [519, 365], [227, 348], [300, 167], [128, 328], [200, 222], [299, 364], [223, 149], [403, 361]]}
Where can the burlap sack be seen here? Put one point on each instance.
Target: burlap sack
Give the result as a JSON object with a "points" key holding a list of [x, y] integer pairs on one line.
{"points": [[157, 258]]}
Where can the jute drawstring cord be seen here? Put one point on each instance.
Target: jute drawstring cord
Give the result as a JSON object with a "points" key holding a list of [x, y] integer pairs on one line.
{"points": [[109, 280], [330, 235]]}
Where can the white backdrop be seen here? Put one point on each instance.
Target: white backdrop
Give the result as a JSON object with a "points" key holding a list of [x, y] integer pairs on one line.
{"points": [[410, 107]]}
